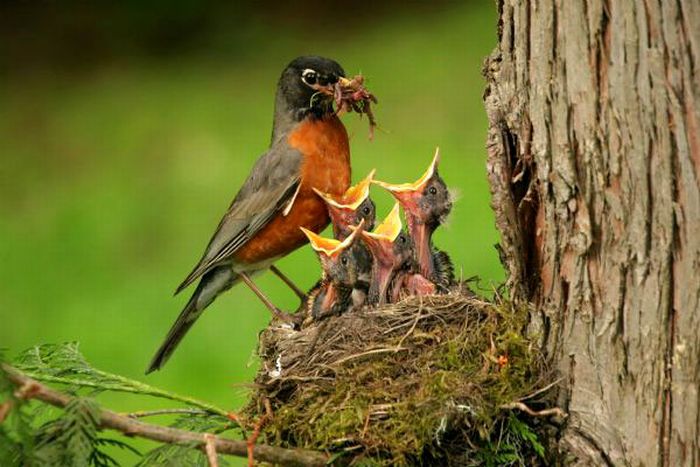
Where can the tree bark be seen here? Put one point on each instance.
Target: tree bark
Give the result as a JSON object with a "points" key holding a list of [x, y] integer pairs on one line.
{"points": [[594, 164]]}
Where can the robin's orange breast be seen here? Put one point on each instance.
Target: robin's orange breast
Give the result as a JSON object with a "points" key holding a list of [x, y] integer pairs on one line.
{"points": [[325, 151]]}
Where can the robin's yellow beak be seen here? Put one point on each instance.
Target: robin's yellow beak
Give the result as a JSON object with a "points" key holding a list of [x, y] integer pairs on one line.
{"points": [[405, 188]]}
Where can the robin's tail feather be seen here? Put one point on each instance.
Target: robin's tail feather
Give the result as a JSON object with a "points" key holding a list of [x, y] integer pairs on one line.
{"points": [[210, 286]]}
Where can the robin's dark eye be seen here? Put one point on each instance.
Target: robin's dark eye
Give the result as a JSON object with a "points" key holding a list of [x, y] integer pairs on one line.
{"points": [[309, 76], [432, 190]]}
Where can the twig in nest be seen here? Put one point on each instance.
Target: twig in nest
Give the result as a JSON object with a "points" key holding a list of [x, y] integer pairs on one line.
{"points": [[210, 449], [30, 388], [535, 413], [366, 424], [413, 327], [256, 431], [541, 390], [364, 354], [354, 97]]}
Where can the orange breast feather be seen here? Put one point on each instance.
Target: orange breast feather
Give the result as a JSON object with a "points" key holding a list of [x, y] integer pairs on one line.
{"points": [[325, 166]]}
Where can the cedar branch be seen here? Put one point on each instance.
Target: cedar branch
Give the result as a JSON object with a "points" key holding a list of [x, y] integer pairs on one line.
{"points": [[132, 427]]}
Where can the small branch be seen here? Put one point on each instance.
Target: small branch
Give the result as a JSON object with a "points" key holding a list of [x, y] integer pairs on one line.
{"points": [[127, 385], [364, 354], [533, 413], [152, 413], [541, 390], [210, 450], [130, 427]]}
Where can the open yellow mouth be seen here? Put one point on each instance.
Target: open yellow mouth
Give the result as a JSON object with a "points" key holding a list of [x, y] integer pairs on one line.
{"points": [[389, 229], [330, 246], [353, 196], [418, 184]]}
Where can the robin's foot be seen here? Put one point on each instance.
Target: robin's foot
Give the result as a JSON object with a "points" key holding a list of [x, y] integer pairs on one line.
{"points": [[279, 314], [299, 293], [286, 317]]}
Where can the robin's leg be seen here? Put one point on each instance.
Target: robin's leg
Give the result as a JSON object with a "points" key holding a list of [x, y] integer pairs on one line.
{"points": [[275, 311], [288, 281]]}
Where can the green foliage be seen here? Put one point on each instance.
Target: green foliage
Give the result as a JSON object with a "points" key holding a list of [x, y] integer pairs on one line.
{"points": [[515, 444], [72, 439], [64, 364], [34, 435]]}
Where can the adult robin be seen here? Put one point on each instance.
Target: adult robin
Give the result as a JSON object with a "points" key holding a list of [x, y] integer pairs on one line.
{"points": [[350, 208], [393, 253], [426, 203], [346, 267], [309, 149]]}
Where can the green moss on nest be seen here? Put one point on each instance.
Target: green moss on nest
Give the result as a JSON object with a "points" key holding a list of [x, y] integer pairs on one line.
{"points": [[420, 381]]}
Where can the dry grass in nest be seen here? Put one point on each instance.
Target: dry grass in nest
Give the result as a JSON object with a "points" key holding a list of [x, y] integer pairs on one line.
{"points": [[419, 381]]}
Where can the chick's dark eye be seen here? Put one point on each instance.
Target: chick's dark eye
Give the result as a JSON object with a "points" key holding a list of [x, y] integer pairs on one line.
{"points": [[366, 211], [344, 260], [402, 238], [432, 190]]}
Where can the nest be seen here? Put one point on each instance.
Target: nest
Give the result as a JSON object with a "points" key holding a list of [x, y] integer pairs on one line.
{"points": [[422, 381]]}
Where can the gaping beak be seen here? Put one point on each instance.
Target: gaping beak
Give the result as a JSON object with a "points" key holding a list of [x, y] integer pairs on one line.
{"points": [[357, 194], [390, 228], [353, 196], [408, 194], [419, 184], [342, 209], [331, 247]]}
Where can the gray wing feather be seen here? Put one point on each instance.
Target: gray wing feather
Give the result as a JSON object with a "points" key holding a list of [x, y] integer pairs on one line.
{"points": [[267, 190]]}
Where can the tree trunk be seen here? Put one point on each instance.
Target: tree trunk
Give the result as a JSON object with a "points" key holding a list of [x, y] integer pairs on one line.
{"points": [[594, 163]]}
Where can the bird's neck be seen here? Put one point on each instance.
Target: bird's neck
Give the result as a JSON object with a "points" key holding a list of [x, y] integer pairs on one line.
{"points": [[288, 116], [422, 234]]}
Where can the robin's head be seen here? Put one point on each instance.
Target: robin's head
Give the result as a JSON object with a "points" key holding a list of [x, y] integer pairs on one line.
{"points": [[427, 201], [392, 250], [351, 208], [345, 263], [307, 85]]}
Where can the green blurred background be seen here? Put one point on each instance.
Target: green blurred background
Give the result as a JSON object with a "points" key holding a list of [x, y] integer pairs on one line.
{"points": [[126, 131]]}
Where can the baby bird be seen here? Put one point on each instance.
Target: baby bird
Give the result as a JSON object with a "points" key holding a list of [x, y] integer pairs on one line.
{"points": [[351, 208], [346, 269], [426, 204], [393, 254]]}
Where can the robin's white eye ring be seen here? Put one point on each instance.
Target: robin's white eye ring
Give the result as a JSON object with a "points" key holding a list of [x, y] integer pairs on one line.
{"points": [[309, 77]]}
